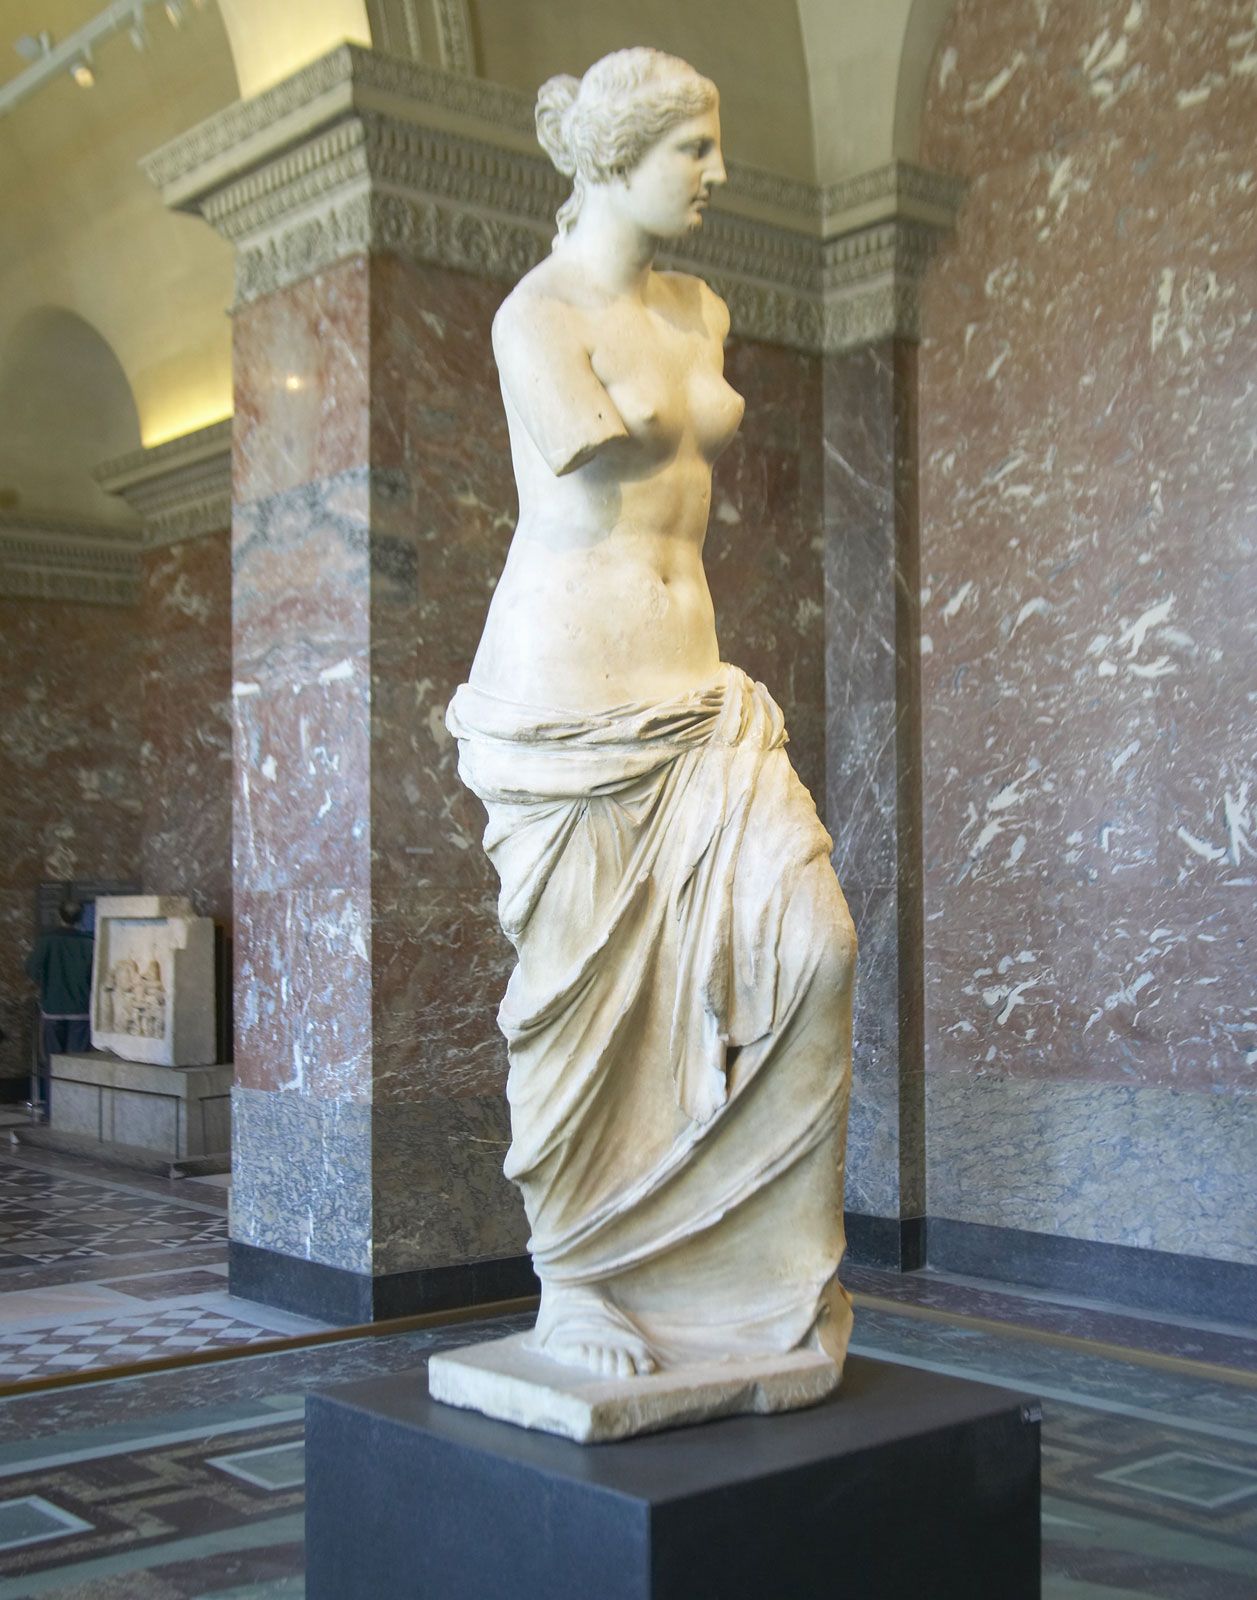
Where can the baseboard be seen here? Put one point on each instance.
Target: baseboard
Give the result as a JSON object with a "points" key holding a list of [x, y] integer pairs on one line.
{"points": [[897, 1243], [331, 1294], [1152, 1280]]}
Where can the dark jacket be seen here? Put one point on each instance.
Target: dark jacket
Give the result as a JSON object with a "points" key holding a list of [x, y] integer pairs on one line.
{"points": [[61, 964]]}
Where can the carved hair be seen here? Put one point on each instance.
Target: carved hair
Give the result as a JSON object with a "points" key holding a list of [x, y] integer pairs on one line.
{"points": [[599, 127]]}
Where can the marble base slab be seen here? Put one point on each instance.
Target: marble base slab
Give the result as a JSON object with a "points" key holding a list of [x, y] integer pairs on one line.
{"points": [[176, 1112], [508, 1380], [905, 1485]]}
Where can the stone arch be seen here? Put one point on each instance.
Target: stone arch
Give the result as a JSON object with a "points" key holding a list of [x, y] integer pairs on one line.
{"points": [[922, 33], [65, 406], [272, 39], [868, 61]]}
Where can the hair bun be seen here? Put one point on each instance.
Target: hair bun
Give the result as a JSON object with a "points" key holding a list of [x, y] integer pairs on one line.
{"points": [[555, 99]]}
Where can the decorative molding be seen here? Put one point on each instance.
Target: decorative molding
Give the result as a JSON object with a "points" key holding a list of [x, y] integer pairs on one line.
{"points": [[181, 488], [791, 196], [361, 152], [453, 32], [872, 281], [395, 27], [58, 558], [422, 228], [347, 79], [898, 189]]}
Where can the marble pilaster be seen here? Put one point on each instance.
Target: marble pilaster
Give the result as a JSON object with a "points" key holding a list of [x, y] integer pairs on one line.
{"points": [[372, 509], [887, 227]]}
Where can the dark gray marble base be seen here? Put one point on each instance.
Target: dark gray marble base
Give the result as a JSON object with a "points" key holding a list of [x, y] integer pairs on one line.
{"points": [[906, 1484], [894, 1242], [332, 1294], [1155, 1280]]}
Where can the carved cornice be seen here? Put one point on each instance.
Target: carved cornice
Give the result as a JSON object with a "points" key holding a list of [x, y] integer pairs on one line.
{"points": [[453, 31], [348, 79], [57, 558], [361, 151], [181, 488], [424, 229], [898, 189], [872, 280]]}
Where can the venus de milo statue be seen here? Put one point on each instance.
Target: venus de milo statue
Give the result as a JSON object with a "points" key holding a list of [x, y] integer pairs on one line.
{"points": [[679, 1021]]}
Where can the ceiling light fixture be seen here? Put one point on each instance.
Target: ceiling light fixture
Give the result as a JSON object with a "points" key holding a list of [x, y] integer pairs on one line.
{"points": [[74, 54], [32, 47]]}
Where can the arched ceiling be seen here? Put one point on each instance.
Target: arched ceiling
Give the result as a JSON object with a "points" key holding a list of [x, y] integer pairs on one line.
{"points": [[867, 62], [270, 42], [84, 230], [753, 55], [93, 418], [813, 89]]}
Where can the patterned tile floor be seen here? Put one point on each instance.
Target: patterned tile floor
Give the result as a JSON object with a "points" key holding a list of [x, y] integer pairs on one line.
{"points": [[104, 1268], [186, 1485], [122, 1341]]}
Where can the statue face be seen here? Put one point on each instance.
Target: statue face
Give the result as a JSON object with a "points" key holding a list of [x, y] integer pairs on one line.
{"points": [[667, 191]]}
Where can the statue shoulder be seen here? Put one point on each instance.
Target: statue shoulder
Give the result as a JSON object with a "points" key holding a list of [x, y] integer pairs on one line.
{"points": [[699, 301], [541, 344]]}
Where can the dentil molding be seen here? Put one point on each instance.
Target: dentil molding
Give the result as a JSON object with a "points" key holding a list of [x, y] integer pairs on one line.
{"points": [[179, 489], [362, 151], [60, 558]]}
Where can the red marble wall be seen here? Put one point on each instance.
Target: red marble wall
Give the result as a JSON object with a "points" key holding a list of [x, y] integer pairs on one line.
{"points": [[1088, 500], [185, 753], [443, 508], [70, 801], [763, 551]]}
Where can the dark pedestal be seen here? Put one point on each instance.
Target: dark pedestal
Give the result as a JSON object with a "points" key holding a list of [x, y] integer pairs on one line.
{"points": [[906, 1486]]}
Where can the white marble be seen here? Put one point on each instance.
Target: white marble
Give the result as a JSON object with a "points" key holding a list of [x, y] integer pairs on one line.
{"points": [[509, 1380], [679, 1021], [153, 981]]}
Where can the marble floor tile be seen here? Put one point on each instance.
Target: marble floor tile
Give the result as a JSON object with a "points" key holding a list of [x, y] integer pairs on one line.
{"points": [[1109, 1426], [1228, 1345]]}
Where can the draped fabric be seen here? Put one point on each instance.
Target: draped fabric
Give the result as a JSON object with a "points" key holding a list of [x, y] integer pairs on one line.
{"points": [[678, 1022]]}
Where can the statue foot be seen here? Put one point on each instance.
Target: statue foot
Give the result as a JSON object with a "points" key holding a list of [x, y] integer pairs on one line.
{"points": [[583, 1328]]}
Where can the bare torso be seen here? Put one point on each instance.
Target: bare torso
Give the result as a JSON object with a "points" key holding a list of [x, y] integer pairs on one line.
{"points": [[603, 600]]}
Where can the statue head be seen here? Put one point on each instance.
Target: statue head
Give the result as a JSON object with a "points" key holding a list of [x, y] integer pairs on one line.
{"points": [[597, 129]]}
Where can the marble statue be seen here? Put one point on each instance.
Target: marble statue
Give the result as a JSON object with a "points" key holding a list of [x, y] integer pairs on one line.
{"points": [[679, 1021]]}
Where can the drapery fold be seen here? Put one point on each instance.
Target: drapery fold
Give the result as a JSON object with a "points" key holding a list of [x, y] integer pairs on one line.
{"points": [[678, 1020]]}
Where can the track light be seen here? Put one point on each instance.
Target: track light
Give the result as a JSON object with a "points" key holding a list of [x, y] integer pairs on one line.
{"points": [[32, 48], [47, 60]]}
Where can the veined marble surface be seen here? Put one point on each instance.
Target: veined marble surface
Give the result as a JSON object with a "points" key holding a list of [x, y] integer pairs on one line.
{"points": [[185, 613], [1089, 514], [71, 697]]}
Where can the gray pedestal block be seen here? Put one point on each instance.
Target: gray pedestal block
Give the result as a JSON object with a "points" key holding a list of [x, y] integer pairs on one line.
{"points": [[905, 1486], [178, 1112]]}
